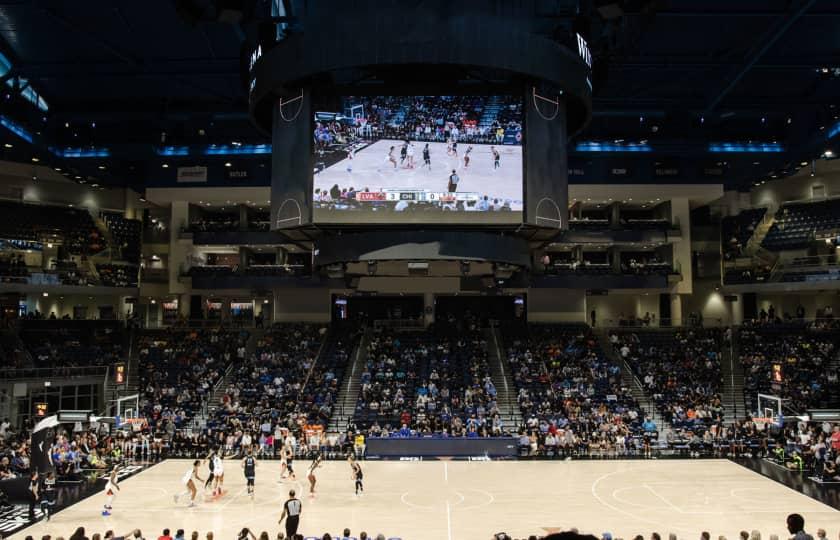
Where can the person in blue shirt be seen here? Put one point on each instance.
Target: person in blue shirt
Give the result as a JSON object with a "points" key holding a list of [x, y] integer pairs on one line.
{"points": [[648, 425], [404, 431]]}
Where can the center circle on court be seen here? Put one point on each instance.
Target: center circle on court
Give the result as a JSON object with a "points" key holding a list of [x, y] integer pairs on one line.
{"points": [[461, 498]]}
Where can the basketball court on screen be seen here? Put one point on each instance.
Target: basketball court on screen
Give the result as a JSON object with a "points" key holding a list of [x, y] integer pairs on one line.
{"points": [[372, 170], [459, 500]]}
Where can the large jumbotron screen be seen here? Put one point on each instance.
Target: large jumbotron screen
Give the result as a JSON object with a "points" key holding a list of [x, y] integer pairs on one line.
{"points": [[418, 159]]}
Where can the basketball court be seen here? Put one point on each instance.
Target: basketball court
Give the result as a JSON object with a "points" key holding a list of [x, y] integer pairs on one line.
{"points": [[372, 170], [459, 500]]}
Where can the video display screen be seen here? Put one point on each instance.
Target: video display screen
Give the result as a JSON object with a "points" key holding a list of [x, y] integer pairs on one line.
{"points": [[418, 159]]}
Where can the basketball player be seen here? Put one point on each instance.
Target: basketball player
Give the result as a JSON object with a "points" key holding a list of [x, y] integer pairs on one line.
{"points": [[34, 496], [111, 489], [48, 495], [448, 147], [356, 473], [189, 481], [311, 476], [453, 182], [249, 464], [467, 157], [497, 156], [210, 464], [454, 147], [646, 440], [391, 157], [427, 158], [292, 509], [288, 457], [350, 161], [410, 153], [403, 152], [218, 473]]}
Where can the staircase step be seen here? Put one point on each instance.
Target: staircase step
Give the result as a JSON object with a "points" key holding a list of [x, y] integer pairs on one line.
{"points": [[509, 411]]}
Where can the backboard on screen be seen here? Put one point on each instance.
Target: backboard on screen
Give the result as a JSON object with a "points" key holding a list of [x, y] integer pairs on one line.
{"points": [[418, 159]]}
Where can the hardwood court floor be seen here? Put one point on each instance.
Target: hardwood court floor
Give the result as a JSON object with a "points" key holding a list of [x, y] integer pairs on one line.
{"points": [[434, 500]]}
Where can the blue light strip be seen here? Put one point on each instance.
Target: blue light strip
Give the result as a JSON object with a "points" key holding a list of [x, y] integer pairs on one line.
{"points": [[16, 129], [746, 148], [833, 130], [80, 152], [592, 146], [215, 150], [231, 150], [173, 151]]}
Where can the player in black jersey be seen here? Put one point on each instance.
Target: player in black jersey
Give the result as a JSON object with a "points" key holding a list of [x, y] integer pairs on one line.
{"points": [[357, 473], [249, 465], [34, 496], [48, 494], [311, 476], [210, 465], [288, 457]]}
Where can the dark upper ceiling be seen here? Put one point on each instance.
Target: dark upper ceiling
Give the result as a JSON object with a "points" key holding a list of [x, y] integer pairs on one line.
{"points": [[677, 73]]}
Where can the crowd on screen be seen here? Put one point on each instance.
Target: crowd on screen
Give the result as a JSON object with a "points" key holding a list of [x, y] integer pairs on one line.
{"points": [[468, 119]]}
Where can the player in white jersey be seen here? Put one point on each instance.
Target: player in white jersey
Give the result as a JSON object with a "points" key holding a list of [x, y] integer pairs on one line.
{"points": [[189, 480], [311, 476], [288, 456], [218, 474], [410, 153], [111, 489]]}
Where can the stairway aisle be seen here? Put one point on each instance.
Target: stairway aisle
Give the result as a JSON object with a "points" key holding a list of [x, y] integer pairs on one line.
{"points": [[629, 380], [509, 410], [760, 232], [345, 405], [732, 392]]}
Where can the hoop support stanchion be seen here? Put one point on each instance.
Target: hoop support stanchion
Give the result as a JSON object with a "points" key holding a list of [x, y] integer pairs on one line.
{"points": [[554, 102]]}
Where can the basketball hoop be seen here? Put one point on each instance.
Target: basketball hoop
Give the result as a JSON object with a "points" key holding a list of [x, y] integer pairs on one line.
{"points": [[762, 421], [300, 107], [136, 424]]}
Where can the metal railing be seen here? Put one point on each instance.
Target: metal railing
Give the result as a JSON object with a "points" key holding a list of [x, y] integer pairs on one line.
{"points": [[400, 323], [655, 324], [53, 372]]}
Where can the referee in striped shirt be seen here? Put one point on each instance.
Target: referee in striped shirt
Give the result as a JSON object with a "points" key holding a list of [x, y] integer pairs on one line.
{"points": [[291, 509]]}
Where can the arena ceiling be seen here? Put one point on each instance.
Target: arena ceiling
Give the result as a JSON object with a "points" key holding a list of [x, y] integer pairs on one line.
{"points": [[134, 76]]}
